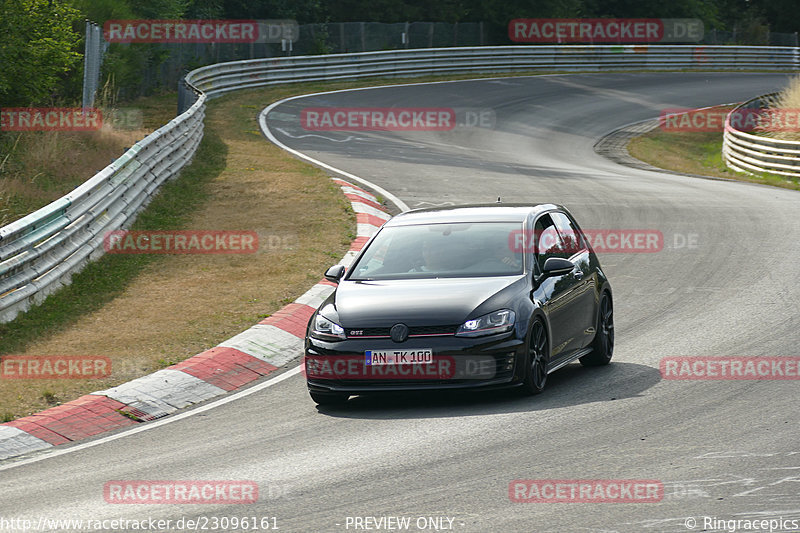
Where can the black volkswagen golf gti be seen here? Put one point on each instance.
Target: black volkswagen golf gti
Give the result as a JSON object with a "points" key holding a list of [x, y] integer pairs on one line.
{"points": [[474, 296]]}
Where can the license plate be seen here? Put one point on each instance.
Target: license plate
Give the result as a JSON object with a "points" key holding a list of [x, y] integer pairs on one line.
{"points": [[398, 357]]}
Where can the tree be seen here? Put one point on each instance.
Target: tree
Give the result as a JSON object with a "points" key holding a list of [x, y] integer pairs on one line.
{"points": [[37, 48], [303, 11], [781, 15]]}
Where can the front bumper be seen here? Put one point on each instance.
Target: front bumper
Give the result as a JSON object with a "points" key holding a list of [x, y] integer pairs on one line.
{"points": [[458, 363]]}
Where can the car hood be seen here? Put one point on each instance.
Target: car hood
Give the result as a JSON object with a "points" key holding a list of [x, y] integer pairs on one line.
{"points": [[444, 301]]}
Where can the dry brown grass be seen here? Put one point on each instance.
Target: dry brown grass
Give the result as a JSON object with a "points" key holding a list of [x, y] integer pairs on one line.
{"points": [[786, 100], [37, 168], [184, 304]]}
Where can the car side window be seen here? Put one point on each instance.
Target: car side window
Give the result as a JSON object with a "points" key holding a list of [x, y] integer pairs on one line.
{"points": [[570, 236], [548, 240]]}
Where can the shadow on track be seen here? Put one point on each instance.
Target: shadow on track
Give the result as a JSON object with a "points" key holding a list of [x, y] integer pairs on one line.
{"points": [[571, 385]]}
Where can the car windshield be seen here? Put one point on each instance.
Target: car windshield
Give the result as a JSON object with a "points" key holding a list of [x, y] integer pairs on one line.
{"points": [[457, 250]]}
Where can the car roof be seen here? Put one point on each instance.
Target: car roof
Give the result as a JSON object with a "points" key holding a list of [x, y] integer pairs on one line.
{"points": [[497, 212]]}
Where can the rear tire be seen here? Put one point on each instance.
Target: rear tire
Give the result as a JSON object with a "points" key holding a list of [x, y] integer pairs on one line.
{"points": [[603, 343], [536, 362], [327, 398]]}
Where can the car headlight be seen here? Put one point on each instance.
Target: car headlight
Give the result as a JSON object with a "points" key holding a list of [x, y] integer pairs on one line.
{"points": [[491, 324], [327, 329]]}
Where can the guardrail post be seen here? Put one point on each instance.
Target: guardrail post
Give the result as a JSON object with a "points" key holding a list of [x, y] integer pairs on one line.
{"points": [[92, 59], [182, 95]]}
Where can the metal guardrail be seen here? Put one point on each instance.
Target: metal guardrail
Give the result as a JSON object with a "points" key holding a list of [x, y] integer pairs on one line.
{"points": [[223, 77], [40, 252], [756, 154]]}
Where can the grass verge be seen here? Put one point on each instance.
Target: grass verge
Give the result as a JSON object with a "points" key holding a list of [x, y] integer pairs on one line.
{"points": [[146, 312], [695, 153]]}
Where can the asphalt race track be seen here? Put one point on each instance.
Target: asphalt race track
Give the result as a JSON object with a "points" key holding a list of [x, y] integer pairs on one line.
{"points": [[724, 284]]}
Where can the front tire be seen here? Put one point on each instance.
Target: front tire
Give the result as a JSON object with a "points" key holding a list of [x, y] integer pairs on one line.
{"points": [[326, 398], [603, 343], [538, 356]]}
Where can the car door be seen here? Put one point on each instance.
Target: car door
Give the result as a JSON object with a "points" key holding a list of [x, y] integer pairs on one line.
{"points": [[557, 294], [584, 281]]}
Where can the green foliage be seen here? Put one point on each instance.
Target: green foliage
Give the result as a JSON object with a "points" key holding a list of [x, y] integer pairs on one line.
{"points": [[303, 11], [42, 39], [160, 9], [37, 48], [497, 12], [782, 15], [320, 41], [99, 11], [124, 64], [205, 9]]}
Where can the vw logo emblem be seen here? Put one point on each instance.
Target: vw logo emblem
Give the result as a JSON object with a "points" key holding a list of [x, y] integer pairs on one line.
{"points": [[399, 332]]}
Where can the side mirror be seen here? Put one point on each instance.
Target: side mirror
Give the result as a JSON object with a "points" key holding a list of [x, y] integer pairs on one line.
{"points": [[336, 272], [556, 266]]}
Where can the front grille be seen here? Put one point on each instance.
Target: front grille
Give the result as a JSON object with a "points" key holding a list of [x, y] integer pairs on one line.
{"points": [[413, 331], [432, 330]]}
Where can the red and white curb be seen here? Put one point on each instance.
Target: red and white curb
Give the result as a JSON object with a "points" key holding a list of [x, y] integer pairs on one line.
{"points": [[232, 364]]}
